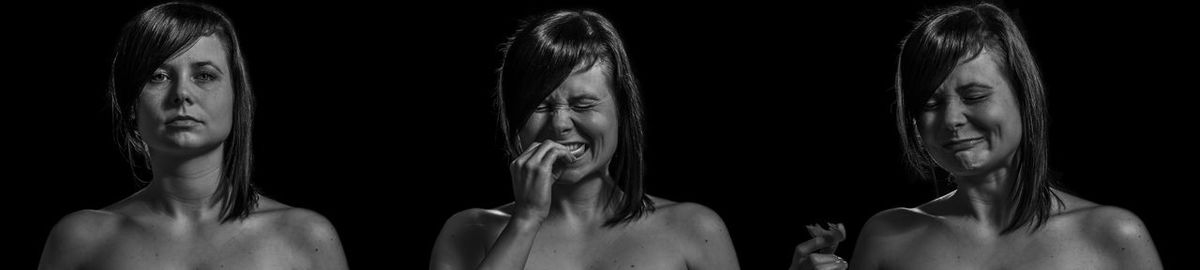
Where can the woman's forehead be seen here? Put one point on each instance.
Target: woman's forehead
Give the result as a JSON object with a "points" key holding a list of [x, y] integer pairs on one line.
{"points": [[594, 82], [206, 49], [980, 70]]}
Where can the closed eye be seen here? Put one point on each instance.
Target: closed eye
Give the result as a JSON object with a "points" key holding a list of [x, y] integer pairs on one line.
{"points": [[581, 107], [975, 98], [931, 104]]}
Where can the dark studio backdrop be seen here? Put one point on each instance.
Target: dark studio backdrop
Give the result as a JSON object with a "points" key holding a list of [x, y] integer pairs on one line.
{"points": [[774, 115]]}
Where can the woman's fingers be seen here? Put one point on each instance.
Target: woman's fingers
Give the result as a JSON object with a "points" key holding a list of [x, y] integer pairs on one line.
{"points": [[524, 157], [810, 246], [810, 260], [531, 187], [826, 261], [553, 156], [832, 236], [535, 161]]}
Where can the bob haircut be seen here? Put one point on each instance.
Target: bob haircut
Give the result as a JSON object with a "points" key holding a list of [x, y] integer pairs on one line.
{"points": [[547, 49], [146, 42], [948, 37]]}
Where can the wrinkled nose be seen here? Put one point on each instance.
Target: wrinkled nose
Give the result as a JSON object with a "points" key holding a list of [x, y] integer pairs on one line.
{"points": [[561, 121]]}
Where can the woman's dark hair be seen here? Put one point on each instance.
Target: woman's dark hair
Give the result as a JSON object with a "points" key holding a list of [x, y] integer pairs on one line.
{"points": [[146, 42], [547, 49], [949, 37]]}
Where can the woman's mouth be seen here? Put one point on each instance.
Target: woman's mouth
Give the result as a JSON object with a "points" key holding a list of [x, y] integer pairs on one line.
{"points": [[576, 149], [183, 121], [962, 144]]}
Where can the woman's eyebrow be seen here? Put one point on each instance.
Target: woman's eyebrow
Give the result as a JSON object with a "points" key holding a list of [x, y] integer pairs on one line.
{"points": [[584, 97], [972, 85], [207, 63]]}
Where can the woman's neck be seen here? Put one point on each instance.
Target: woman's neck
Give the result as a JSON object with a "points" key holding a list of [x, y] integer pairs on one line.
{"points": [[986, 195], [583, 202], [184, 185]]}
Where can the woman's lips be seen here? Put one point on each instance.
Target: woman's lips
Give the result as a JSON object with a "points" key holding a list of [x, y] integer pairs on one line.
{"points": [[183, 121], [576, 149], [962, 144]]}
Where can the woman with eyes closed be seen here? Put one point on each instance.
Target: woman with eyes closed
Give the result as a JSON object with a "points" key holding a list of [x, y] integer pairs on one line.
{"points": [[970, 104], [571, 115], [182, 109]]}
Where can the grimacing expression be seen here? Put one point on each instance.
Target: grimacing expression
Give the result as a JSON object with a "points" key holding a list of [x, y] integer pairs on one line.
{"points": [[972, 124], [580, 114], [187, 105]]}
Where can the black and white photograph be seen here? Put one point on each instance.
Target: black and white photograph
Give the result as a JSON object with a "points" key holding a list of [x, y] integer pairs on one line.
{"points": [[598, 135]]}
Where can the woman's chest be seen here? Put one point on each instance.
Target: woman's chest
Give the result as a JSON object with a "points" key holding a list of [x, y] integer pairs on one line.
{"points": [[620, 251], [1037, 251], [237, 252]]}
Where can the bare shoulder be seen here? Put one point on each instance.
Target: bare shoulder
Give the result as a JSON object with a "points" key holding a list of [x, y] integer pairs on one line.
{"points": [[467, 235], [86, 226], [898, 221], [1116, 231], [77, 235], [689, 212], [694, 218], [698, 231], [307, 231], [477, 224], [475, 219], [1102, 221], [294, 222], [888, 233], [1109, 224], [1116, 223]]}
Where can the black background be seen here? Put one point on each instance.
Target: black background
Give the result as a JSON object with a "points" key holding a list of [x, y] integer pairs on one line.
{"points": [[774, 115]]}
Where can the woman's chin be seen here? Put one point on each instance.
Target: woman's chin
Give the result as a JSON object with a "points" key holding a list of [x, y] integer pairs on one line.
{"points": [[185, 143], [967, 162], [571, 176], [568, 178]]}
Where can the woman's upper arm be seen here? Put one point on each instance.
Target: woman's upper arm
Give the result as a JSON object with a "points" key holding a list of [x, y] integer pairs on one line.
{"points": [[1126, 237], [460, 245], [716, 247]]}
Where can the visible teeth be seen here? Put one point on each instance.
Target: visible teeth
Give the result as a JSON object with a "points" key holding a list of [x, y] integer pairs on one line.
{"points": [[574, 146]]}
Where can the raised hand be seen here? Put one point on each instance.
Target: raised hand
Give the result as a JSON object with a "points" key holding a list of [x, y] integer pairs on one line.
{"points": [[532, 176], [817, 253]]}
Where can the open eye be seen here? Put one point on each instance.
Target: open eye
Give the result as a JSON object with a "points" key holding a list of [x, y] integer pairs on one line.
{"points": [[159, 77], [205, 77]]}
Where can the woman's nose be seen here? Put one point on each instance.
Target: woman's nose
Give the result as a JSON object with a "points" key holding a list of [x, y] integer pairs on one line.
{"points": [[182, 93], [561, 121], [955, 115]]}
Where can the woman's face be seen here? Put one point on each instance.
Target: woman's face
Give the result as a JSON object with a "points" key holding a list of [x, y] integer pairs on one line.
{"points": [[581, 115], [187, 105], [972, 124]]}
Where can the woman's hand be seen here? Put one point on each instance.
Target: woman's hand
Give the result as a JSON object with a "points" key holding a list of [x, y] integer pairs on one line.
{"points": [[817, 253], [532, 176]]}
